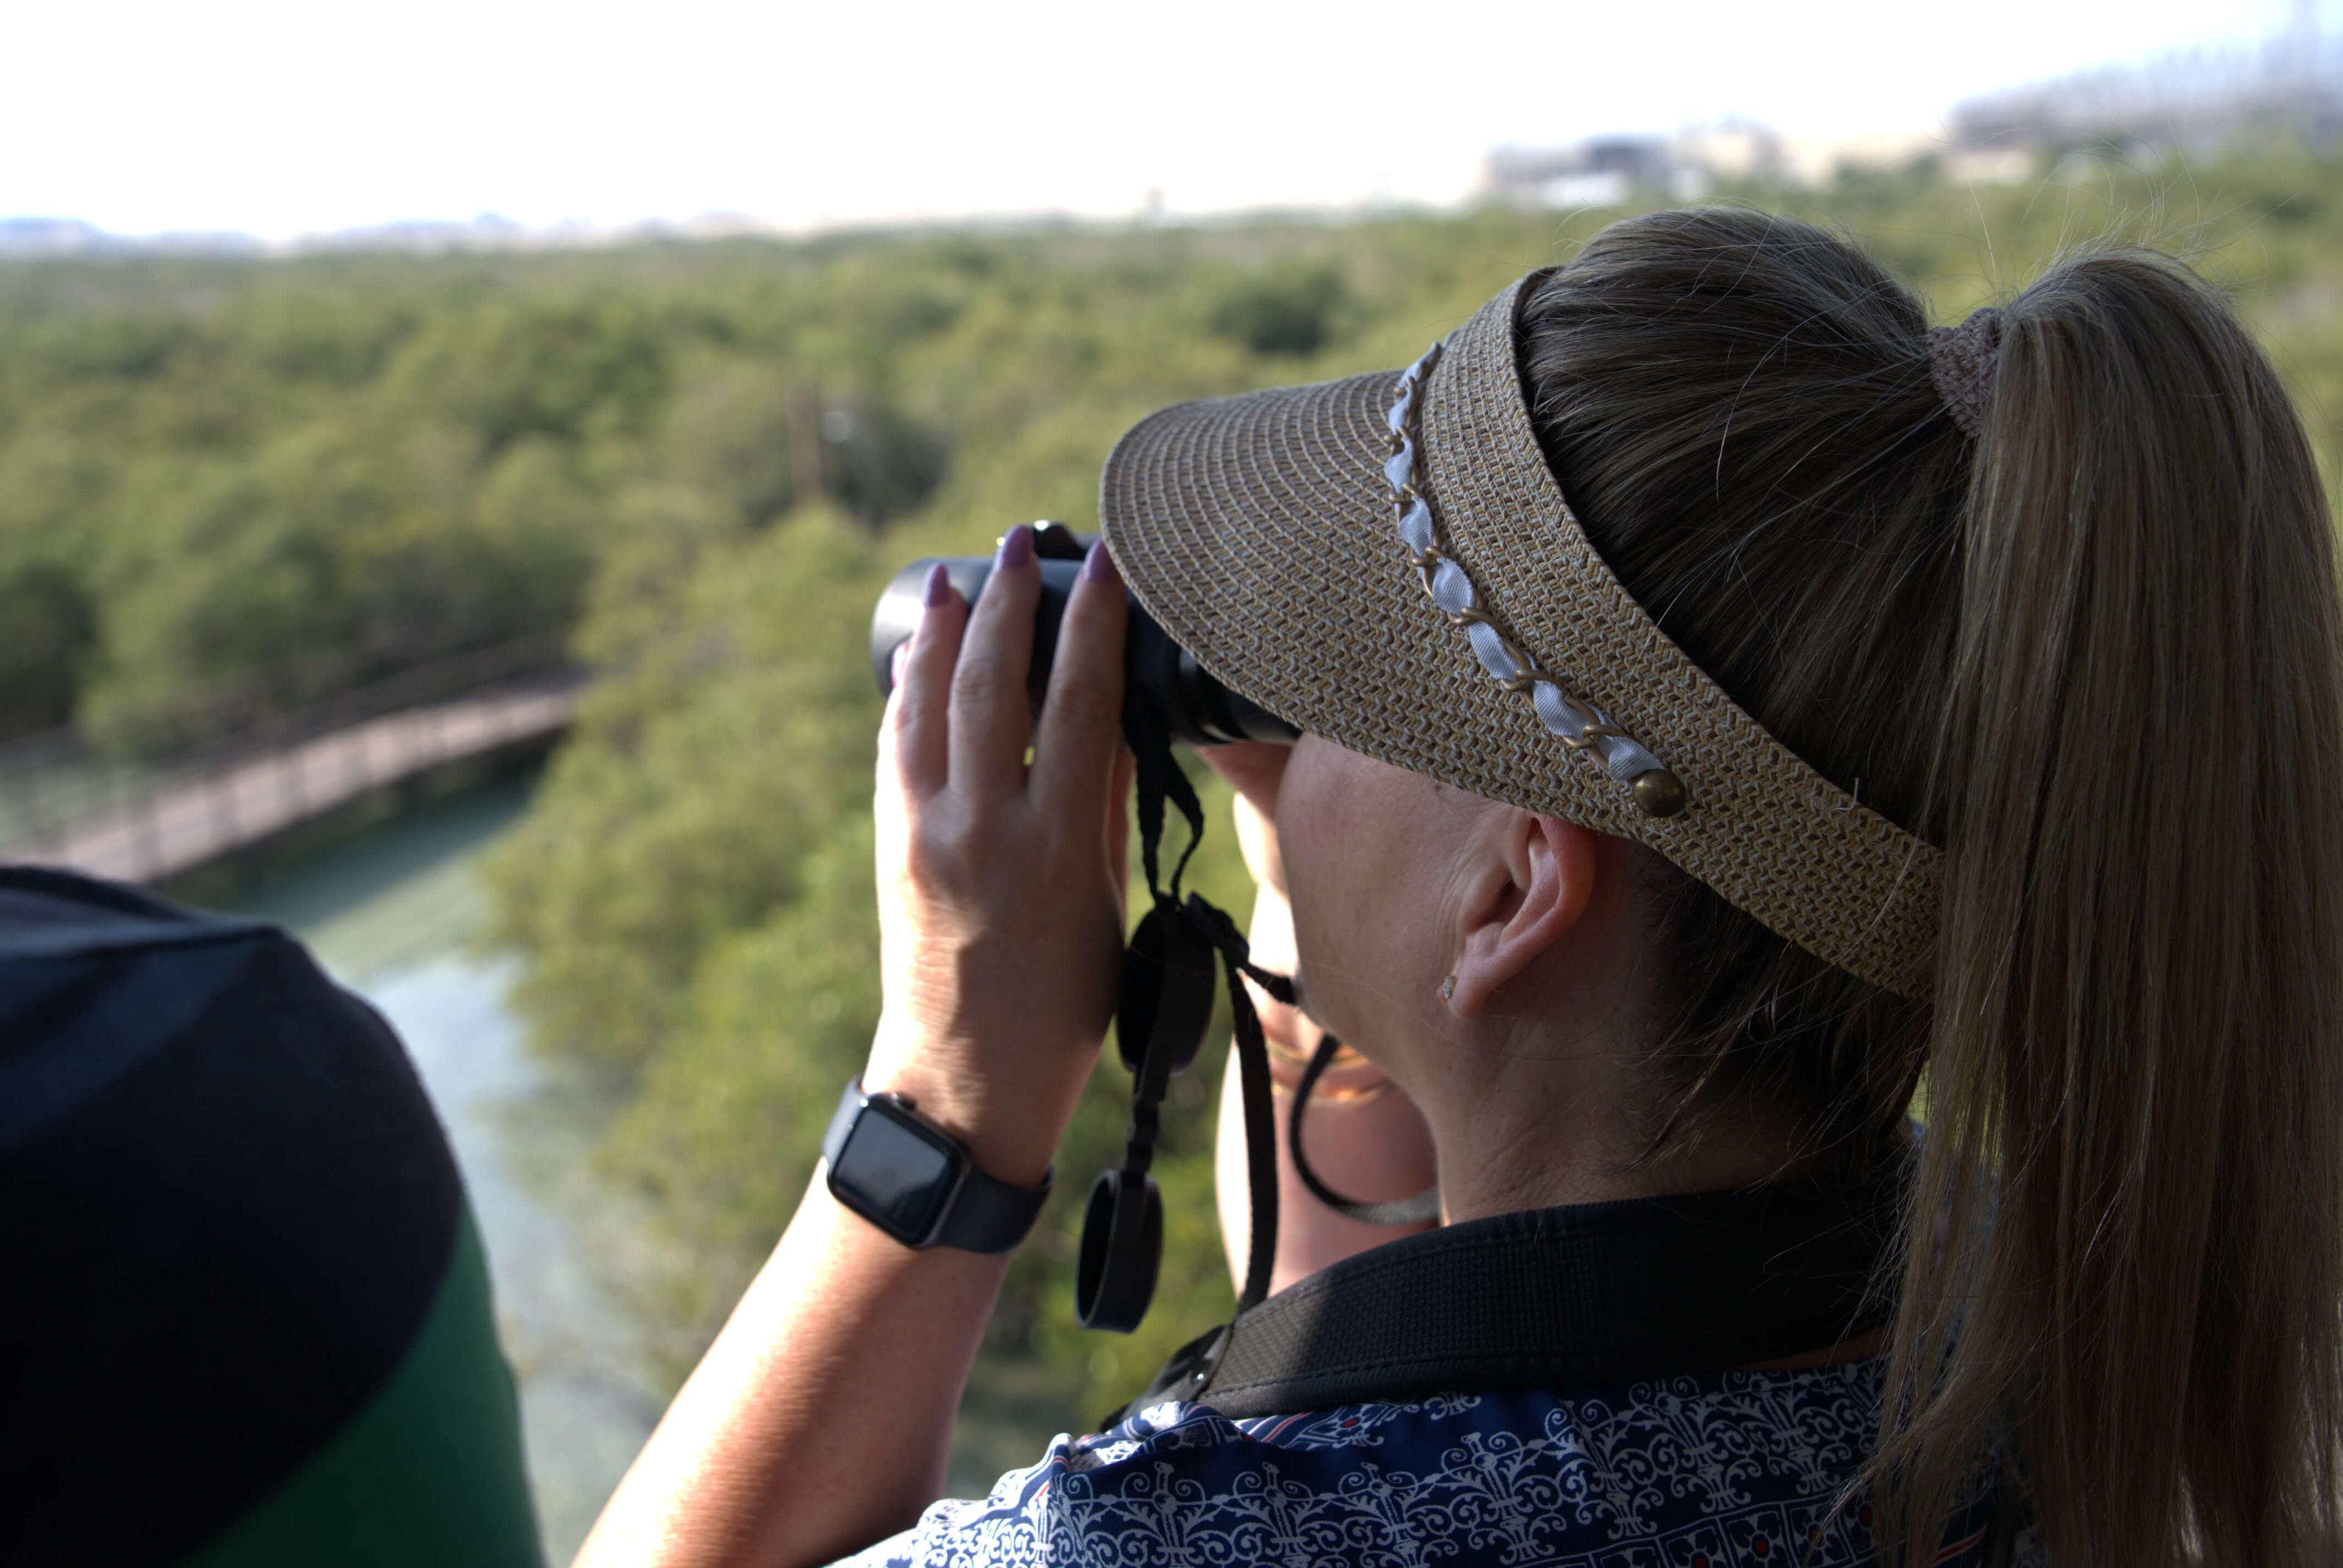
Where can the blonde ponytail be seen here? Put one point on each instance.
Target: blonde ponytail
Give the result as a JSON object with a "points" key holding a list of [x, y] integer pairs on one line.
{"points": [[2132, 1144], [2095, 653]]}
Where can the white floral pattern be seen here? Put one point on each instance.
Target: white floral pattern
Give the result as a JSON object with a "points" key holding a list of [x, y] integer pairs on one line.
{"points": [[1734, 1468]]}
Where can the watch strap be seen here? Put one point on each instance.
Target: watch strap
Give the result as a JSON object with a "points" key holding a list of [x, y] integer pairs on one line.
{"points": [[989, 1215], [842, 1119], [984, 1213]]}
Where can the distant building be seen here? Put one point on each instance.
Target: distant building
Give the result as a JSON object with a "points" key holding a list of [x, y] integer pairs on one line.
{"points": [[1595, 172], [1602, 170], [2289, 86]]}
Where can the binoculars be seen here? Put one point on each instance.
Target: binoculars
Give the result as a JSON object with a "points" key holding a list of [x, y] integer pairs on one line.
{"points": [[1160, 679], [1164, 1004]]}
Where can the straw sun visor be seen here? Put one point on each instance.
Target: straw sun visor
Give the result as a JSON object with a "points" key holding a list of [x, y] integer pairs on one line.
{"points": [[1260, 532], [1257, 530]]}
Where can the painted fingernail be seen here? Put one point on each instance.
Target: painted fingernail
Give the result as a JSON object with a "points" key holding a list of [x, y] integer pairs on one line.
{"points": [[1016, 546], [939, 586], [1099, 567]]}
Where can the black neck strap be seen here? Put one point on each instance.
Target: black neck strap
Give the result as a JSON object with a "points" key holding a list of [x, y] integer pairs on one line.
{"points": [[1162, 1015], [1424, 1205], [1159, 1021], [1560, 1297]]}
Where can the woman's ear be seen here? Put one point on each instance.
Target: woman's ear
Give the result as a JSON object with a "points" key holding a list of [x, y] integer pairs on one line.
{"points": [[1532, 898]]}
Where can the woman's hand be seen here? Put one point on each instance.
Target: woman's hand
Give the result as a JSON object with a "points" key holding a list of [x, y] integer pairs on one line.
{"points": [[1000, 883]]}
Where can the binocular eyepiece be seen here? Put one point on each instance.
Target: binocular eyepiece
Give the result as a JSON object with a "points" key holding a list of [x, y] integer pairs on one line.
{"points": [[1159, 677]]}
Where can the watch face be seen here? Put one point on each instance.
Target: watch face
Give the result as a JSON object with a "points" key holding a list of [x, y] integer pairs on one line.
{"points": [[896, 1171]]}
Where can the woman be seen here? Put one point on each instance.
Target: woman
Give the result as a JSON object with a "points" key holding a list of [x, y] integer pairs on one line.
{"points": [[1880, 703]]}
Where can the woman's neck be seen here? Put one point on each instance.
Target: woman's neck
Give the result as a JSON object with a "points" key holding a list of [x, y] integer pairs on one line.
{"points": [[1516, 1126]]}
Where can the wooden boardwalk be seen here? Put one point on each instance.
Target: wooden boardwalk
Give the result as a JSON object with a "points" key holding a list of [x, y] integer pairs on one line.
{"points": [[186, 820]]}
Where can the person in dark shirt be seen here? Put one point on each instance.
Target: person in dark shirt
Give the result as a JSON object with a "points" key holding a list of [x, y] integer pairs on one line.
{"points": [[246, 1319]]}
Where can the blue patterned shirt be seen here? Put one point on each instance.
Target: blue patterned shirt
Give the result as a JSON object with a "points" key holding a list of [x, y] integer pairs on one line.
{"points": [[1694, 1471]]}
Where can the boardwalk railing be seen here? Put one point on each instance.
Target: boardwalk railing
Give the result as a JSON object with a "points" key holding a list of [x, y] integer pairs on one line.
{"points": [[148, 818]]}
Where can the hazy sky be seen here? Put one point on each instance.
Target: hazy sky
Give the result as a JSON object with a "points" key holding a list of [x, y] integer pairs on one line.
{"points": [[282, 119]]}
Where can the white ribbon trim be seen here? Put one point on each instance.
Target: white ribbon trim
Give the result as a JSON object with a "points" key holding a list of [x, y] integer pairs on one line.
{"points": [[1580, 726]]}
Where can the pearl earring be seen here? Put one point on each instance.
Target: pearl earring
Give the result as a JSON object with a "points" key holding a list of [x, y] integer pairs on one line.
{"points": [[1448, 989]]}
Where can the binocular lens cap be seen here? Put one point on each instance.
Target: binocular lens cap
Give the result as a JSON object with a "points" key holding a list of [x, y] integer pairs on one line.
{"points": [[1164, 1005], [1123, 1248]]}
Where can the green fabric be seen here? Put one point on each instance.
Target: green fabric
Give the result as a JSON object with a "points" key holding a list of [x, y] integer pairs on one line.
{"points": [[428, 1472]]}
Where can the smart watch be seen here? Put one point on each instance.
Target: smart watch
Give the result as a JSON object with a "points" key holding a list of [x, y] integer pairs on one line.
{"points": [[916, 1182]]}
